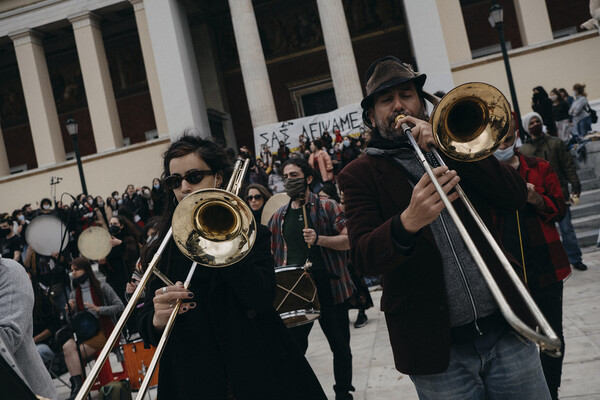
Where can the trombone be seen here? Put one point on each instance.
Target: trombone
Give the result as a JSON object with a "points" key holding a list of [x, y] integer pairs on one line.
{"points": [[469, 124], [214, 228]]}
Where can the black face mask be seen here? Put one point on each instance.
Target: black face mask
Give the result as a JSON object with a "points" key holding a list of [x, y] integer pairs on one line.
{"points": [[4, 232], [80, 280], [114, 230], [295, 187]]}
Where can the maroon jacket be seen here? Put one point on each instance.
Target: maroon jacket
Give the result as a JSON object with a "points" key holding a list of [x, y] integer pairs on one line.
{"points": [[414, 299]]}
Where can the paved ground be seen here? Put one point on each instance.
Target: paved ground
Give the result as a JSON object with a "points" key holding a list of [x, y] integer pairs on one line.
{"points": [[375, 377]]}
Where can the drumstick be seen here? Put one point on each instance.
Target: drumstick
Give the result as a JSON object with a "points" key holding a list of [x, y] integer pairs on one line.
{"points": [[305, 220]]}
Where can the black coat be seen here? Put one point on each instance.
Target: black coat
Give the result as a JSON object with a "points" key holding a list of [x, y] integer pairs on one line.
{"points": [[233, 338]]}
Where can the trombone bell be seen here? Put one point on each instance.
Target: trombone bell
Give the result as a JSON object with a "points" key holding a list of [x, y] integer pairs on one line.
{"points": [[213, 227], [471, 121]]}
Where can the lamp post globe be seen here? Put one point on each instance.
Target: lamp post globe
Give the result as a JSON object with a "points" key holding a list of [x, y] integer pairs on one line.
{"points": [[72, 128]]}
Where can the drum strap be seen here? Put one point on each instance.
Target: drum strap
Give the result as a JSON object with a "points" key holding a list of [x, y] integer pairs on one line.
{"points": [[291, 290]]}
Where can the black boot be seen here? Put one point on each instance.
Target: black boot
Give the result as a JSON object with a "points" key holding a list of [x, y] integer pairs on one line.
{"points": [[76, 383]]}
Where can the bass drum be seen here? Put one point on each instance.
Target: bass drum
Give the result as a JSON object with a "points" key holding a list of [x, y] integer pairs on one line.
{"points": [[94, 243], [296, 298], [47, 234]]}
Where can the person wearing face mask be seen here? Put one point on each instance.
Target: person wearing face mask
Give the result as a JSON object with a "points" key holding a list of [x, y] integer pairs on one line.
{"points": [[560, 112], [158, 197], [283, 153], [322, 239], [10, 243], [103, 303], [275, 179], [555, 152], [530, 235], [350, 151], [228, 341], [120, 262]]}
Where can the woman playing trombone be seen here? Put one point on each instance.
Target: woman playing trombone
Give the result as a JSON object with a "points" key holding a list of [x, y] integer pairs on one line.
{"points": [[228, 341]]}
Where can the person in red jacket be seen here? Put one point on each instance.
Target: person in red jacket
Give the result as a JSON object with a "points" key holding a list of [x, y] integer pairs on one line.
{"points": [[530, 235], [445, 327]]}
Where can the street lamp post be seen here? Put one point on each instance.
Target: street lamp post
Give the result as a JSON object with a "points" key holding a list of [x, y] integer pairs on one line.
{"points": [[72, 129], [496, 20]]}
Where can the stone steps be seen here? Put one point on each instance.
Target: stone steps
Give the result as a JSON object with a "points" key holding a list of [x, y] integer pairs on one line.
{"points": [[586, 215]]}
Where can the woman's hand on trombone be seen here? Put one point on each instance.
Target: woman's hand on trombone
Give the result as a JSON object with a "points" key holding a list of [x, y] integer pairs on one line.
{"points": [[164, 301], [426, 203], [421, 131]]}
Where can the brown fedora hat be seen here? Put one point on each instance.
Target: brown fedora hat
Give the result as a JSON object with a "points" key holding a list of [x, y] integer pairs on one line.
{"points": [[385, 73]]}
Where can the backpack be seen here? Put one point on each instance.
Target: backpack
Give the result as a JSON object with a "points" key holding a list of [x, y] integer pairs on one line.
{"points": [[118, 390], [593, 114]]}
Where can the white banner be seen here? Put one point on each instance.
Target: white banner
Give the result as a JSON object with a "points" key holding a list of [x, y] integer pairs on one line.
{"points": [[348, 120]]}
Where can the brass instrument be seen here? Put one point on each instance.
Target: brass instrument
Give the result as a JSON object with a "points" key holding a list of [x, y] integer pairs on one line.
{"points": [[212, 227], [469, 124]]}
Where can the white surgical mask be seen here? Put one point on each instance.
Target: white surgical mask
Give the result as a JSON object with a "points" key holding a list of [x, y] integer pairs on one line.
{"points": [[46, 207], [505, 154]]}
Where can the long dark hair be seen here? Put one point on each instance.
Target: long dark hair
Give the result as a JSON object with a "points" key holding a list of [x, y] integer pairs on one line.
{"points": [[85, 265], [211, 153], [129, 228]]}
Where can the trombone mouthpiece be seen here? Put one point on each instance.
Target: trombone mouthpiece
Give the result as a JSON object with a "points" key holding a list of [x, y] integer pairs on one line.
{"points": [[398, 118]]}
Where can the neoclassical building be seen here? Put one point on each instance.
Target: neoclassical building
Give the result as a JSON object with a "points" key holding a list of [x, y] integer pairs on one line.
{"points": [[135, 74]]}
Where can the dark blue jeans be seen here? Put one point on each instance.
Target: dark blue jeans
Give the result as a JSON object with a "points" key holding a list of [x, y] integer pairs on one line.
{"points": [[509, 370], [335, 324], [569, 239]]}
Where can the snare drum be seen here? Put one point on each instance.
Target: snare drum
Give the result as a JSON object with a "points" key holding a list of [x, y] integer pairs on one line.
{"points": [[296, 298], [137, 360]]}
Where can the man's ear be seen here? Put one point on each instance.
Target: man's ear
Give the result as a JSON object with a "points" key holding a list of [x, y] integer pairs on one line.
{"points": [[219, 179], [309, 179], [371, 116]]}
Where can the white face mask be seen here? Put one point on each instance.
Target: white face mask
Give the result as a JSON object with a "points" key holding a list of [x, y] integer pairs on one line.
{"points": [[505, 154], [553, 97], [46, 207]]}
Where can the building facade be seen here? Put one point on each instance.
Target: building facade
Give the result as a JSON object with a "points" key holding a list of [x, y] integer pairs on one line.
{"points": [[135, 74]]}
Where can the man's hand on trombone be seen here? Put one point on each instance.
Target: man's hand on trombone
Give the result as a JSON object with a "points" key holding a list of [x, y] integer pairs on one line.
{"points": [[164, 301], [426, 203], [421, 130]]}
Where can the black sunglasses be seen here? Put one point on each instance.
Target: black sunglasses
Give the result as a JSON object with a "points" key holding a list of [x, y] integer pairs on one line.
{"points": [[255, 197], [192, 177]]}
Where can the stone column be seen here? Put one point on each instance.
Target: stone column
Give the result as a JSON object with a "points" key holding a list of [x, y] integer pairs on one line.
{"points": [[252, 63], [340, 54], [176, 66], [428, 45], [96, 79], [454, 31], [4, 166], [150, 64], [212, 79], [41, 109], [534, 22]]}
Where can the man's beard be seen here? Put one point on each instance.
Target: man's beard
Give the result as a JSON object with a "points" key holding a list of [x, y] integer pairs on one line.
{"points": [[387, 128]]}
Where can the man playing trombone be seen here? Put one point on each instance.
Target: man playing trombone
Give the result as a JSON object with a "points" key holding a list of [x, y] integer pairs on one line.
{"points": [[444, 324]]}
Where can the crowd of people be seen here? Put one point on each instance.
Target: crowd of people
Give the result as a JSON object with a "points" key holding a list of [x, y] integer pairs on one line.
{"points": [[358, 207], [566, 116]]}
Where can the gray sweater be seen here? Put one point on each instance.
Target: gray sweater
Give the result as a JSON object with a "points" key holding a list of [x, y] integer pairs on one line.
{"points": [[16, 329]]}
